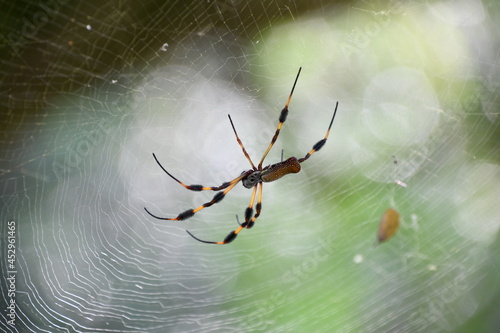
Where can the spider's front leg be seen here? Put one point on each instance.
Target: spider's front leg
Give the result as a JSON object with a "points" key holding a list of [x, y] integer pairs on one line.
{"points": [[318, 145]]}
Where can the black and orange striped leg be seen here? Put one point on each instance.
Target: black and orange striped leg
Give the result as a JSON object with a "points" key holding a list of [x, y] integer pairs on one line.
{"points": [[232, 235], [246, 225], [193, 187], [249, 209], [282, 119], [318, 145], [217, 198], [241, 143], [258, 208], [249, 219], [229, 238]]}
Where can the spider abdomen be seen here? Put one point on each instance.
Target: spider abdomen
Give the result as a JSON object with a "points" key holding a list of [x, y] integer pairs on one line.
{"points": [[280, 169]]}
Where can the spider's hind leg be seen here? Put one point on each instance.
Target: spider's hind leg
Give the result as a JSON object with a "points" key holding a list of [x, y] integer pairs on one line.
{"points": [[229, 238], [249, 220]]}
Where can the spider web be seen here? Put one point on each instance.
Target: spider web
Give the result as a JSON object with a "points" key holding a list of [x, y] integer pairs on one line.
{"points": [[90, 89]]}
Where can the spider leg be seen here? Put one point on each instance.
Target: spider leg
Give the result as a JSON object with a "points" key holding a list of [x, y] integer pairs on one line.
{"points": [[241, 143], [317, 146], [217, 198], [249, 210], [258, 208], [282, 118], [229, 238], [247, 224], [193, 187]]}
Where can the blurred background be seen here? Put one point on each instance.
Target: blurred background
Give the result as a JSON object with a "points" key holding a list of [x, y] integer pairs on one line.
{"points": [[90, 89]]}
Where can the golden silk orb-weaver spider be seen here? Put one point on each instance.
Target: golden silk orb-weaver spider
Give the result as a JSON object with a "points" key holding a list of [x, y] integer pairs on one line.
{"points": [[253, 178]]}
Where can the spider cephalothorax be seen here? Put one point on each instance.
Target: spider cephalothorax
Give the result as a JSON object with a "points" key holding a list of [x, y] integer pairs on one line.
{"points": [[253, 178]]}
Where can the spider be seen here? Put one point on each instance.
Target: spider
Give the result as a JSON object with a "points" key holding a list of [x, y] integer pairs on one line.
{"points": [[252, 178]]}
